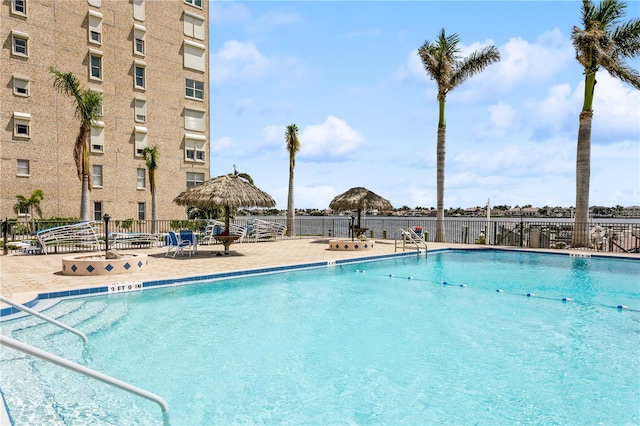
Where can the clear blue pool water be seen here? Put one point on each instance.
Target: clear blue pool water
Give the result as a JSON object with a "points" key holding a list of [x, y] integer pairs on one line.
{"points": [[352, 344]]}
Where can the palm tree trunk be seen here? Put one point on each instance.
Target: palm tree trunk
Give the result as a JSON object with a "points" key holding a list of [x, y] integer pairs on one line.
{"points": [[85, 197], [440, 237], [580, 236], [291, 229], [154, 213], [440, 157]]}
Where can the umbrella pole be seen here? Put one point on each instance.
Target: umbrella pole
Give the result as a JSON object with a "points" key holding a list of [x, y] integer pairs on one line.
{"points": [[227, 212], [359, 219]]}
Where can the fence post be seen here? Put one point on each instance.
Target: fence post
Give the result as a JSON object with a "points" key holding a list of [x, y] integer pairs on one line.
{"points": [[521, 232]]}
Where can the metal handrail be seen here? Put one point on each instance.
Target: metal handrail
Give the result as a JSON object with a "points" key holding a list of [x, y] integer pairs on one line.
{"points": [[44, 317], [54, 359], [414, 238]]}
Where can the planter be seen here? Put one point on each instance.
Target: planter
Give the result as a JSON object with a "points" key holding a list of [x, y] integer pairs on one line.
{"points": [[348, 245], [96, 264]]}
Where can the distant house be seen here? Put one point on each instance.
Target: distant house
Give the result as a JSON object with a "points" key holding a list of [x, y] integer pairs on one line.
{"points": [[631, 211], [524, 211]]}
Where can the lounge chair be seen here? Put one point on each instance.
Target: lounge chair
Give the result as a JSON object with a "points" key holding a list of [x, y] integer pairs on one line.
{"points": [[176, 244], [77, 236], [261, 230]]}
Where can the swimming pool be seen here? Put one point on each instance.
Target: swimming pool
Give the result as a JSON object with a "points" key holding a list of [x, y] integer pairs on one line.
{"points": [[378, 342]]}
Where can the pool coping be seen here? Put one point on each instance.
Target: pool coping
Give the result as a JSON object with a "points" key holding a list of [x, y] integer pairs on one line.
{"points": [[129, 286]]}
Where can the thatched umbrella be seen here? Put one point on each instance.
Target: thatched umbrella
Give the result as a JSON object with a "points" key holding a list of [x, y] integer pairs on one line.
{"points": [[359, 199], [226, 191]]}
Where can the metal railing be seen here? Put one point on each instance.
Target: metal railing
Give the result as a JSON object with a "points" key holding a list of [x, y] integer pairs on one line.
{"points": [[43, 317], [70, 365], [615, 235]]}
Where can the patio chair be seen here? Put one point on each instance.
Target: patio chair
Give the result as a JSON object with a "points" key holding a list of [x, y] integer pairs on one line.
{"points": [[188, 235], [175, 244]]}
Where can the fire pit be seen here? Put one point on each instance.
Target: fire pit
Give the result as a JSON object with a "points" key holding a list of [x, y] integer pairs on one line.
{"points": [[97, 264]]}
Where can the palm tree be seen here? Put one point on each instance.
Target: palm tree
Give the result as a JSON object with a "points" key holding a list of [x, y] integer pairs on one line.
{"points": [[30, 205], [151, 155], [87, 104], [444, 65], [604, 42], [293, 146]]}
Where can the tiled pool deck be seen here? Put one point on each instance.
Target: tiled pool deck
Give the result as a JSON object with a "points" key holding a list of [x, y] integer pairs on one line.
{"points": [[24, 277]]}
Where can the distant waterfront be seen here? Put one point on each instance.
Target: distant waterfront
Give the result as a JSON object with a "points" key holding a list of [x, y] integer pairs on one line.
{"points": [[457, 229]]}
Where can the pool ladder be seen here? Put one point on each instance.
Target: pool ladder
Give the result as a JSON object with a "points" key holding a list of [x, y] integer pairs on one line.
{"points": [[409, 237], [70, 365]]}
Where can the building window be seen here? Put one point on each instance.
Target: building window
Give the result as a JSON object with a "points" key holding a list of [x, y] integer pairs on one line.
{"points": [[95, 65], [194, 179], [95, 27], [138, 10], [139, 75], [97, 210], [21, 124], [142, 211], [139, 33], [20, 86], [140, 110], [20, 43], [97, 137], [194, 148], [19, 7], [140, 140], [194, 55], [196, 3], [141, 184], [194, 119], [23, 167], [194, 89], [193, 26], [97, 176]]}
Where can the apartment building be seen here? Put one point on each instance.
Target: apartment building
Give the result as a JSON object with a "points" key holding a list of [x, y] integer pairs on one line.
{"points": [[148, 58]]}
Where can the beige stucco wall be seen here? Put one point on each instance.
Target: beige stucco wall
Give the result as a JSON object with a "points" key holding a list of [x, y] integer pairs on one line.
{"points": [[58, 37]]}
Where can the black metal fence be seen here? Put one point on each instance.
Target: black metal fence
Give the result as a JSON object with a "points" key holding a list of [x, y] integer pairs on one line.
{"points": [[613, 236]]}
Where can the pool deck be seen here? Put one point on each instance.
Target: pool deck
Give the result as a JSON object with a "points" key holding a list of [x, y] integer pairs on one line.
{"points": [[23, 277]]}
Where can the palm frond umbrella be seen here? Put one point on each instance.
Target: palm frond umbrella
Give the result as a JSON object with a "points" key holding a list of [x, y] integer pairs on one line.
{"points": [[226, 191], [359, 199]]}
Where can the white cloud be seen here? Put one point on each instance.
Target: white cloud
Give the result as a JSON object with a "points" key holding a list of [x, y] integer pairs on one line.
{"points": [[238, 60], [332, 138], [501, 116], [221, 144], [524, 61], [616, 105], [555, 112], [273, 135], [412, 69], [314, 196]]}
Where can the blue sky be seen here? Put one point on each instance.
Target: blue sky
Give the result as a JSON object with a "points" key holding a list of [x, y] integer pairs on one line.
{"points": [[348, 75]]}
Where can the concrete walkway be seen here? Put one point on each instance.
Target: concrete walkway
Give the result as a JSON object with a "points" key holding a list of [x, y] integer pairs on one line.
{"points": [[23, 277]]}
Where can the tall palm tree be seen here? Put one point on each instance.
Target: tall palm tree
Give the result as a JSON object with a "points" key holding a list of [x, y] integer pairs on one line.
{"points": [[444, 65], [293, 146], [30, 205], [87, 104], [604, 41], [151, 155]]}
